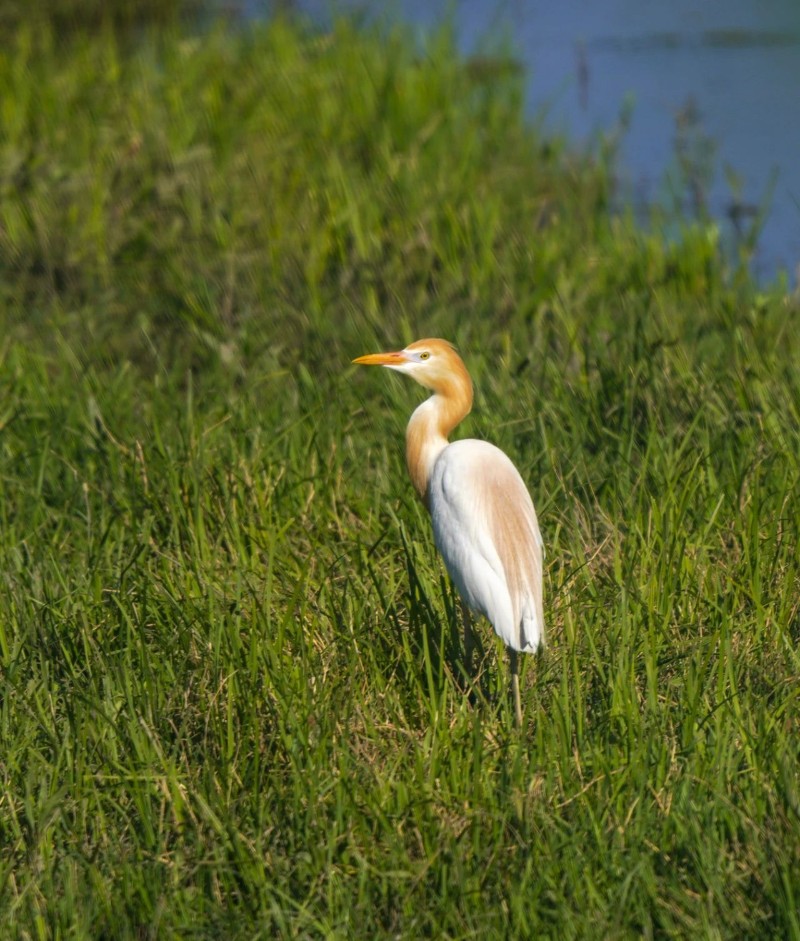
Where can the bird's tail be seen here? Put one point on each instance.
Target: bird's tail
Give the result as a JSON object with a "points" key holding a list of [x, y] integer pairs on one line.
{"points": [[531, 630]]}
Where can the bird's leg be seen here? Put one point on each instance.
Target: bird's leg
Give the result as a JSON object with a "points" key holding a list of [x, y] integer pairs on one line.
{"points": [[469, 638], [513, 657]]}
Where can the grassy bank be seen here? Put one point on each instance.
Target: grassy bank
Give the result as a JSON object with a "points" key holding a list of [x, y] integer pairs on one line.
{"points": [[228, 694]]}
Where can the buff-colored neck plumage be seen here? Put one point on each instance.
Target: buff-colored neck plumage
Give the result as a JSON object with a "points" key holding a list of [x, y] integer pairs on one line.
{"points": [[432, 422]]}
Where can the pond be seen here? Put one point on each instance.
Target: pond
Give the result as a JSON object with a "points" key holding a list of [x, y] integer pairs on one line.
{"points": [[712, 86]]}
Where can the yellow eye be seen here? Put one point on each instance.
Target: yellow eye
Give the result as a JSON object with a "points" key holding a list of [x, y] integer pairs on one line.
{"points": [[424, 356]]}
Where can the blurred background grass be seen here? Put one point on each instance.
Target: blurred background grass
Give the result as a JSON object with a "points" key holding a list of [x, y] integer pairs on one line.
{"points": [[70, 17], [229, 703]]}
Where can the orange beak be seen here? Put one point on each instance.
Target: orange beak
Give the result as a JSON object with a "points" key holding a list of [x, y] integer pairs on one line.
{"points": [[381, 359]]}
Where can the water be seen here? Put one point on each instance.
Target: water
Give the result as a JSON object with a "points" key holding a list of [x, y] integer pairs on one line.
{"points": [[722, 75]]}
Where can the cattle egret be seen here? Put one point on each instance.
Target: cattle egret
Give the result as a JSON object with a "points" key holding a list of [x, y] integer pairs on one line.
{"points": [[484, 523]]}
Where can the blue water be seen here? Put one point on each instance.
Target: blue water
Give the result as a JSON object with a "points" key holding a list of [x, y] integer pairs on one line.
{"points": [[726, 72]]}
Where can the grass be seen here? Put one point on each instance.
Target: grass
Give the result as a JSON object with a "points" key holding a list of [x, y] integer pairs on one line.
{"points": [[230, 702], [68, 17]]}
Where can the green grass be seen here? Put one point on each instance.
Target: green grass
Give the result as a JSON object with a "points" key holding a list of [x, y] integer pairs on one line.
{"points": [[230, 699], [68, 17]]}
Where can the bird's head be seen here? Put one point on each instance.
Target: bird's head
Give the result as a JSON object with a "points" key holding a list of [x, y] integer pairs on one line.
{"points": [[433, 363]]}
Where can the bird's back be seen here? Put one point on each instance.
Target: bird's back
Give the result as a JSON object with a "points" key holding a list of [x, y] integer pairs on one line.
{"points": [[486, 529]]}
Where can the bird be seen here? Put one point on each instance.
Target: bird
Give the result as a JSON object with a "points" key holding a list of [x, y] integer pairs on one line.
{"points": [[484, 522]]}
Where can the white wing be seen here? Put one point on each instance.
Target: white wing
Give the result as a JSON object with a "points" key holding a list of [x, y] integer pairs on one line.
{"points": [[485, 527]]}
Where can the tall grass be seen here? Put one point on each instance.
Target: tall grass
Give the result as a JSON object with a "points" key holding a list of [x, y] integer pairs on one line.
{"points": [[231, 702], [69, 17]]}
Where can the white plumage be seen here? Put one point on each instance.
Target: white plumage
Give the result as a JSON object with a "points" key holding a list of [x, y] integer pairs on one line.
{"points": [[489, 539]]}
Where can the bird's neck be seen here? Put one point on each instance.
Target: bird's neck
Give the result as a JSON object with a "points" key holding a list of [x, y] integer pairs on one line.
{"points": [[428, 430]]}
